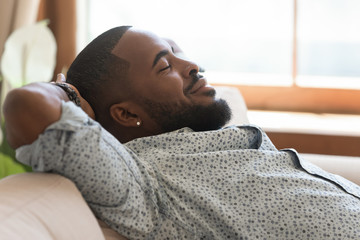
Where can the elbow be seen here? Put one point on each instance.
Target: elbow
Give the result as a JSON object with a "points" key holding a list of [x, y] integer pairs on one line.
{"points": [[12, 108], [28, 111]]}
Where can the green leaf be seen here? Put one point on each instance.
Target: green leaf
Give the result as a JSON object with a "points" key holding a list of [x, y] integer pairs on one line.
{"points": [[9, 166]]}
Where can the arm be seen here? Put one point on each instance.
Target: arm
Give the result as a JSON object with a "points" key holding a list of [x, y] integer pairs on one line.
{"points": [[29, 110]]}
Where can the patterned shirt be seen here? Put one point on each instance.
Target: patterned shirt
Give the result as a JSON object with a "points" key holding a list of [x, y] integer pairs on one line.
{"points": [[230, 183]]}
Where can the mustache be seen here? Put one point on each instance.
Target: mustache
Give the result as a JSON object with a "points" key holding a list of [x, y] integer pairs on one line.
{"points": [[195, 77]]}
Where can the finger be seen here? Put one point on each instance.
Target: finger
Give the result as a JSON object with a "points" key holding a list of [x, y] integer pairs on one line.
{"points": [[83, 103], [60, 78]]}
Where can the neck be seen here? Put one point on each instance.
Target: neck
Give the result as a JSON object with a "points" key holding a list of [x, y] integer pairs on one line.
{"points": [[126, 134]]}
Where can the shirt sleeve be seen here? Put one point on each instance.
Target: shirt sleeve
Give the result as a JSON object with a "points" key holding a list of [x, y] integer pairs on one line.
{"points": [[104, 170], [48, 149], [80, 149]]}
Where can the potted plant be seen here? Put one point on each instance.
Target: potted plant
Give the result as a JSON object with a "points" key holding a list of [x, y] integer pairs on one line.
{"points": [[29, 56]]}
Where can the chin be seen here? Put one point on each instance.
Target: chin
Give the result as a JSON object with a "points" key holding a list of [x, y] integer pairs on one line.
{"points": [[206, 98], [210, 93]]}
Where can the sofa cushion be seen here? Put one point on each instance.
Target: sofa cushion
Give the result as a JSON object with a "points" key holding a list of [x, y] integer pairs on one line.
{"points": [[44, 206], [236, 103], [345, 166]]}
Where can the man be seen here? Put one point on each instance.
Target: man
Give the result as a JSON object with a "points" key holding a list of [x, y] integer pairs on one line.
{"points": [[168, 89], [165, 169]]}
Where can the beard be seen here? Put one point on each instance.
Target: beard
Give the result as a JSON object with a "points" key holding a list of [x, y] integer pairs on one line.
{"points": [[172, 116]]}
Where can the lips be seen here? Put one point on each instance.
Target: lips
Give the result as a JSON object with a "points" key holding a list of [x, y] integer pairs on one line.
{"points": [[198, 85], [201, 83]]}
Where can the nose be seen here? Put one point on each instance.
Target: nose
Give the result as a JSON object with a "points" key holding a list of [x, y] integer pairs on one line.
{"points": [[189, 68]]}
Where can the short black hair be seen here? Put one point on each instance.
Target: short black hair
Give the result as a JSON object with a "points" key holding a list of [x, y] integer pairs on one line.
{"points": [[95, 67]]}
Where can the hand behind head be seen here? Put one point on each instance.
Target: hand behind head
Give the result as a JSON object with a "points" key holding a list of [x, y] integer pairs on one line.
{"points": [[85, 106]]}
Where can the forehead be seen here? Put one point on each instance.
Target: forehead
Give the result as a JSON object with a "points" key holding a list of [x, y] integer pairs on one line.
{"points": [[139, 47]]}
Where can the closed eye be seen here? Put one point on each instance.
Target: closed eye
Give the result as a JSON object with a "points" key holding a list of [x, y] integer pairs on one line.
{"points": [[163, 69]]}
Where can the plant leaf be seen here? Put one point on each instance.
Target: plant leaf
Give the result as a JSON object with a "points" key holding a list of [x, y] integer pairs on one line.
{"points": [[29, 55], [9, 166]]}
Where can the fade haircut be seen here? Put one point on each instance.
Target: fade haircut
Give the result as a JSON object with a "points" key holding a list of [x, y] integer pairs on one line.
{"points": [[96, 68]]}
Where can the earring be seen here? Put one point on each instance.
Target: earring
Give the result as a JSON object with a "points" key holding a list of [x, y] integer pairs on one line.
{"points": [[138, 123]]}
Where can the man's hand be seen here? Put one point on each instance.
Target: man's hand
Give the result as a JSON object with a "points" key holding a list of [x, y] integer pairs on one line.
{"points": [[83, 103]]}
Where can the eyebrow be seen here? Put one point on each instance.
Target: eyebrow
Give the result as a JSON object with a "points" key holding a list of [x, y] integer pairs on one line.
{"points": [[159, 55]]}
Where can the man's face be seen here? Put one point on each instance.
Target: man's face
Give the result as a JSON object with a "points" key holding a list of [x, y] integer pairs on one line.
{"points": [[169, 89]]}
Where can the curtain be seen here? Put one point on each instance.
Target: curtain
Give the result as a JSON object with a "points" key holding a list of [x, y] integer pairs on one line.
{"points": [[62, 16], [15, 14]]}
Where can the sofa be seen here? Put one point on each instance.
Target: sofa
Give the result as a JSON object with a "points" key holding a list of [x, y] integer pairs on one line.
{"points": [[45, 206], [48, 206]]}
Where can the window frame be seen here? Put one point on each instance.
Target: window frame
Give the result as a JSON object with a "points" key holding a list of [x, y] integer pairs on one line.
{"points": [[300, 99]]}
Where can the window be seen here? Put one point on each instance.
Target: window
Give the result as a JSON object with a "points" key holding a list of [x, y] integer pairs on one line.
{"points": [[329, 43], [283, 55]]}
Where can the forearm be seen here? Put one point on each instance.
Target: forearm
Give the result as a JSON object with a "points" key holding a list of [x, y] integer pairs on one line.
{"points": [[29, 110]]}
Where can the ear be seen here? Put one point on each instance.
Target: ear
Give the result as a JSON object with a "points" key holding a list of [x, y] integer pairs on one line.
{"points": [[122, 113]]}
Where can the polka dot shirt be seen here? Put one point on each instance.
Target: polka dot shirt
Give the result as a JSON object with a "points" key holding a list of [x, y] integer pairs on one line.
{"points": [[226, 184]]}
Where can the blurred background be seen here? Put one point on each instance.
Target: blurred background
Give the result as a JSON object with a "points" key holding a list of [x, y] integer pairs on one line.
{"points": [[248, 38], [296, 62]]}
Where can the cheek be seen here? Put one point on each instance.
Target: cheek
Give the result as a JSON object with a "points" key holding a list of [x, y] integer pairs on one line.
{"points": [[166, 89]]}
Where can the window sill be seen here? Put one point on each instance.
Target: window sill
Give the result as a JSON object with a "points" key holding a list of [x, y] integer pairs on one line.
{"points": [[331, 134], [300, 99], [295, 122]]}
